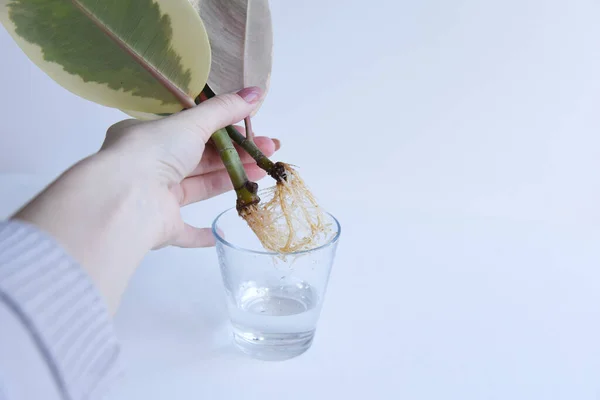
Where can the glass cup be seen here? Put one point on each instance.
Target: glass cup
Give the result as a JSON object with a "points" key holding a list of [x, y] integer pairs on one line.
{"points": [[274, 300]]}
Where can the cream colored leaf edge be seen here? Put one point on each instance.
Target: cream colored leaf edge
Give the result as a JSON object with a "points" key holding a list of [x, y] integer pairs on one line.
{"points": [[189, 41]]}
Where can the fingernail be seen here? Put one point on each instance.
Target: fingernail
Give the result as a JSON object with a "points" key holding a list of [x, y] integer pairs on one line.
{"points": [[277, 144], [250, 94]]}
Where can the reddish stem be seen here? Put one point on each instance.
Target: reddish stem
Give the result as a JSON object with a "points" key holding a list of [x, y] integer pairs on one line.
{"points": [[249, 131]]}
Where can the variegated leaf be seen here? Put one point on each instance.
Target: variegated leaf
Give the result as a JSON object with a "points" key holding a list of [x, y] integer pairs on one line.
{"points": [[150, 56]]}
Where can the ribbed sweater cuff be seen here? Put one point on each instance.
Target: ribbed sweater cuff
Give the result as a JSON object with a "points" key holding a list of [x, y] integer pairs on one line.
{"points": [[59, 305]]}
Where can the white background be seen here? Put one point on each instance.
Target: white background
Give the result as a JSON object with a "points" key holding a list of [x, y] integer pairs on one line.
{"points": [[457, 142]]}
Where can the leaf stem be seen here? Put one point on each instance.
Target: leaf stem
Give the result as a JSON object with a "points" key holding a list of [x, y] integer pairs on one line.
{"points": [[275, 170], [249, 131], [251, 148]]}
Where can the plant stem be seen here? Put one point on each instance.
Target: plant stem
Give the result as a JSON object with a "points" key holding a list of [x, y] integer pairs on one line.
{"points": [[275, 170], [251, 148], [245, 190]]}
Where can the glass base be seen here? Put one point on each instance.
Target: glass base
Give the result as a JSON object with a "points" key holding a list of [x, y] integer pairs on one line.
{"points": [[272, 346]]}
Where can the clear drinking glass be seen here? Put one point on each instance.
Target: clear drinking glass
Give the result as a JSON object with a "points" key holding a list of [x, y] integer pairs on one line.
{"points": [[274, 301]]}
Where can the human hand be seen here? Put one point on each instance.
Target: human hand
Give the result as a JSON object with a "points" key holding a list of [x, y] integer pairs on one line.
{"points": [[113, 207], [173, 154]]}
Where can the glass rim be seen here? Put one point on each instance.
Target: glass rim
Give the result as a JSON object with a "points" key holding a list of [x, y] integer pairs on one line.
{"points": [[273, 253]]}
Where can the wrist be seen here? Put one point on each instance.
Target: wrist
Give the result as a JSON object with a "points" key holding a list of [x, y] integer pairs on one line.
{"points": [[100, 217]]}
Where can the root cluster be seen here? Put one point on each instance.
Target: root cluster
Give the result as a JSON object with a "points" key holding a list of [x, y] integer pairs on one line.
{"points": [[288, 218]]}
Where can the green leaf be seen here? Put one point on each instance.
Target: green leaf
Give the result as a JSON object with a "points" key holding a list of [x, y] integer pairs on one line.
{"points": [[150, 56], [242, 54]]}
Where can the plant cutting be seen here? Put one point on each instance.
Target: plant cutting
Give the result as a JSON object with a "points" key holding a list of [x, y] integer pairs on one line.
{"points": [[154, 58]]}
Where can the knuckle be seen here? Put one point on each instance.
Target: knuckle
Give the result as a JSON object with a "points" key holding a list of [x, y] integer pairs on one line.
{"points": [[113, 132], [225, 101], [121, 126], [227, 106], [120, 131]]}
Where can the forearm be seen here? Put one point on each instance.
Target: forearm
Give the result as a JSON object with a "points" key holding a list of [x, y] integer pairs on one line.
{"points": [[95, 212], [56, 336]]}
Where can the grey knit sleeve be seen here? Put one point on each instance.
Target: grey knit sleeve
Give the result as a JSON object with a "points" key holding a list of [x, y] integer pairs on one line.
{"points": [[56, 336]]}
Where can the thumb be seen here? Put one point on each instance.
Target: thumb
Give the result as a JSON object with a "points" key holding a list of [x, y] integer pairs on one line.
{"points": [[219, 112]]}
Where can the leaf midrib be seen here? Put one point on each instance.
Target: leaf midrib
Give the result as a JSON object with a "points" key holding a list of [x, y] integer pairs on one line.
{"points": [[185, 100]]}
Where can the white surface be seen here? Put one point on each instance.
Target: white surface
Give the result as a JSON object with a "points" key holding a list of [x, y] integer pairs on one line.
{"points": [[466, 180]]}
